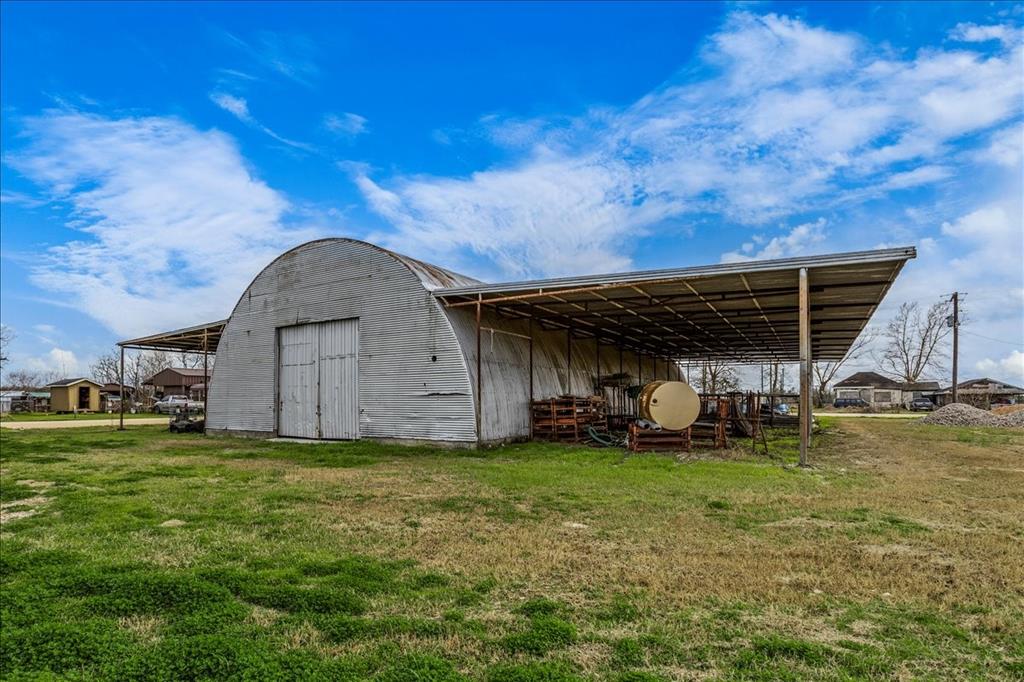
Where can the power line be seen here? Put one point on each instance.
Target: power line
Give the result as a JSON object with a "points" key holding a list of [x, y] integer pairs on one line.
{"points": [[1019, 344]]}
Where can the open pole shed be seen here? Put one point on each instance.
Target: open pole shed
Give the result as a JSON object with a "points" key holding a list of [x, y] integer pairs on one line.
{"points": [[339, 338]]}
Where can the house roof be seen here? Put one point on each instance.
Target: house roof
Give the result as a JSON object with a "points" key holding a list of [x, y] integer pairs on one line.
{"points": [[872, 379], [72, 382], [186, 371], [987, 385], [921, 386], [182, 372]]}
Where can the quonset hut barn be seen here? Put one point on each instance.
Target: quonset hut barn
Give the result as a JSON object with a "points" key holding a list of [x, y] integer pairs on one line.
{"points": [[341, 339]]}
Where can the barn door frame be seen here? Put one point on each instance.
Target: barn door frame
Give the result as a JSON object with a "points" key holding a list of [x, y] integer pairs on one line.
{"points": [[342, 427]]}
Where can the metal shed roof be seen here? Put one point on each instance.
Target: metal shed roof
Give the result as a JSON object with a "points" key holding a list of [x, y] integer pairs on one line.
{"points": [[195, 339], [743, 312]]}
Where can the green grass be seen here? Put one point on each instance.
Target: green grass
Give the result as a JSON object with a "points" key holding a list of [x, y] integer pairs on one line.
{"points": [[166, 557]]}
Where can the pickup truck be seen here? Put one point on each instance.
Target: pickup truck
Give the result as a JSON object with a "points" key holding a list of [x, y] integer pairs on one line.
{"points": [[176, 404]]}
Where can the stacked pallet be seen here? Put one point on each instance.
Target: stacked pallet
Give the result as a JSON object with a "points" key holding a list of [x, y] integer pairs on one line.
{"points": [[566, 418], [651, 440]]}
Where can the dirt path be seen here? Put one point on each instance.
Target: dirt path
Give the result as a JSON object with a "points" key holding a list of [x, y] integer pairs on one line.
{"points": [[895, 415], [80, 423]]}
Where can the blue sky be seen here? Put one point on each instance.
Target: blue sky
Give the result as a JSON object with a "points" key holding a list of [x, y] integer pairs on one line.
{"points": [[156, 156]]}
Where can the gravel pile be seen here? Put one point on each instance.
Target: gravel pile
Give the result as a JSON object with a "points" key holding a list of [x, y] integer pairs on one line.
{"points": [[958, 414], [1015, 420]]}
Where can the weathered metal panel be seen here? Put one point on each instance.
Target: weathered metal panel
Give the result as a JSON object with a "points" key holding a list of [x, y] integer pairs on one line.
{"points": [[505, 376], [339, 379], [298, 352], [412, 377]]}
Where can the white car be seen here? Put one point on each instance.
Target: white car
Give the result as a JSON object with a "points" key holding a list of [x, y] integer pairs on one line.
{"points": [[175, 404]]}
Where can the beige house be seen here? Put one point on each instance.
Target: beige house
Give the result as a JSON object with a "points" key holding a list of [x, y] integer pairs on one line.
{"points": [[882, 392], [75, 395]]}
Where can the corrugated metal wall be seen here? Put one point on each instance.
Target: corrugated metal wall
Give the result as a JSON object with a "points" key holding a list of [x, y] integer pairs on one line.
{"points": [[339, 379], [505, 368], [298, 353], [413, 381]]}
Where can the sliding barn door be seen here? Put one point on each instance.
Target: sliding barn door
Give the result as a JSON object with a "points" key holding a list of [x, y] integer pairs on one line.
{"points": [[318, 380], [339, 379]]}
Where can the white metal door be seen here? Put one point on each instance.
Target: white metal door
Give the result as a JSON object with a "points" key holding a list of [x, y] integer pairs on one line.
{"points": [[298, 355], [339, 379]]}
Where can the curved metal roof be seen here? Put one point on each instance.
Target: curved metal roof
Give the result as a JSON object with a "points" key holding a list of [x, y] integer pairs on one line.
{"points": [[743, 312]]}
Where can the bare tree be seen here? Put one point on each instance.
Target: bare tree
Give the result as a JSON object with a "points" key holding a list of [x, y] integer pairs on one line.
{"points": [[139, 366], [6, 336], [27, 380], [717, 376], [106, 369], [825, 372], [914, 341], [776, 377]]}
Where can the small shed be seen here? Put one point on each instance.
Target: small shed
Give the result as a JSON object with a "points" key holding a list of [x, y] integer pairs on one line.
{"points": [[75, 395], [176, 380]]}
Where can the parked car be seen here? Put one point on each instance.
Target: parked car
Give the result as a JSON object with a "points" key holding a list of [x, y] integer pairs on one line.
{"points": [[921, 405], [850, 402], [176, 404]]}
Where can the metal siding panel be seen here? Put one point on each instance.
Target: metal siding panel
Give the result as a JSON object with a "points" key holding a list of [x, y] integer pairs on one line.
{"points": [[298, 377], [403, 392], [339, 379]]}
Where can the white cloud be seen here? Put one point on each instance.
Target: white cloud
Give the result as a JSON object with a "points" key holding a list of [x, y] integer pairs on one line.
{"points": [[919, 176], [288, 55], [1009, 368], [1005, 147], [173, 224], [57, 361], [346, 124], [973, 33], [44, 328], [239, 108], [776, 118], [802, 240]]}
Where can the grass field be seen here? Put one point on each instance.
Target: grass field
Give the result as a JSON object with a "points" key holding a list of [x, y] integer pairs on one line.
{"points": [[142, 555]]}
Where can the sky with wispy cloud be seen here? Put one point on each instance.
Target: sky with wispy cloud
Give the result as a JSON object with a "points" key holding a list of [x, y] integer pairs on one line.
{"points": [[155, 157]]}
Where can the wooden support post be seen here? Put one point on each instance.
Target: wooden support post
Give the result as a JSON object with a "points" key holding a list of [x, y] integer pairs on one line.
{"points": [[805, 367], [597, 356], [479, 374], [568, 361], [120, 378], [206, 380], [531, 379]]}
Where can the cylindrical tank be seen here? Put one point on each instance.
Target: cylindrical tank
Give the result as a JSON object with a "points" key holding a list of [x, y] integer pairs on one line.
{"points": [[671, 404]]}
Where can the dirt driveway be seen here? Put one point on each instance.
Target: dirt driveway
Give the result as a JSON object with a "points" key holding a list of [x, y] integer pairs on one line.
{"points": [[79, 423]]}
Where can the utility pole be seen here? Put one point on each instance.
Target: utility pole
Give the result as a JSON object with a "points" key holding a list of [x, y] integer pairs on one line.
{"points": [[954, 321]]}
